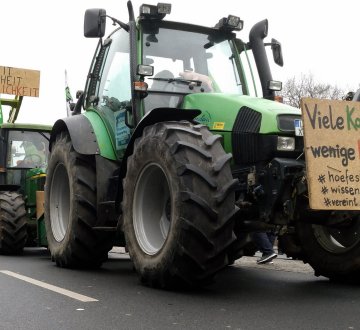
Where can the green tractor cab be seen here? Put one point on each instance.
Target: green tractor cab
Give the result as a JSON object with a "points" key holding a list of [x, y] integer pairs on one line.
{"points": [[171, 153]]}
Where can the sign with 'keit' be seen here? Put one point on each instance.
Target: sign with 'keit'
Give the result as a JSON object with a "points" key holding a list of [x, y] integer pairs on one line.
{"points": [[22, 82]]}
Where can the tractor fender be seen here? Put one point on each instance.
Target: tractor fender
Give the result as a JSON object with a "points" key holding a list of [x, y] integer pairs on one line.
{"points": [[155, 116], [88, 133]]}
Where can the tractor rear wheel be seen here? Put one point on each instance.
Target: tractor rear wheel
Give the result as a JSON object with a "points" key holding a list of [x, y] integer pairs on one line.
{"points": [[70, 208], [333, 252], [178, 205], [13, 223]]}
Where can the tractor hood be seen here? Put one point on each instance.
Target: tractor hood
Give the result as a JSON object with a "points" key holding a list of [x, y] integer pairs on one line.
{"points": [[219, 111]]}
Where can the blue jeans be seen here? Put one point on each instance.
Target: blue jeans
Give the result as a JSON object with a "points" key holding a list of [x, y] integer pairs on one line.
{"points": [[265, 242]]}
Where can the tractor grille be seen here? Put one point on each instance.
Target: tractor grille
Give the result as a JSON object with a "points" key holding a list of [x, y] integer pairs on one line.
{"points": [[250, 147], [247, 121], [245, 140]]}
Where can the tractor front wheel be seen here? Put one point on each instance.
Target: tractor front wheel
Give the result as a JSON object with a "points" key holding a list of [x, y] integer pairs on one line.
{"points": [[178, 203]]}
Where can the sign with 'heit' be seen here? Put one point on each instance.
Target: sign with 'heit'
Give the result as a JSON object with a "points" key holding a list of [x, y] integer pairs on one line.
{"points": [[22, 82], [332, 151]]}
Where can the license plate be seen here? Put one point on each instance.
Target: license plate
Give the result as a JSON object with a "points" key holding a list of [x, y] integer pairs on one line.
{"points": [[298, 127]]}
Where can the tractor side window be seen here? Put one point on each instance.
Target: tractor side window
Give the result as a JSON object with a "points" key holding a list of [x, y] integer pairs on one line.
{"points": [[17, 153], [226, 76], [251, 73], [115, 88], [117, 82]]}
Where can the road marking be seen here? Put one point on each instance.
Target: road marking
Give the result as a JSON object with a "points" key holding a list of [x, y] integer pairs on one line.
{"points": [[50, 287]]}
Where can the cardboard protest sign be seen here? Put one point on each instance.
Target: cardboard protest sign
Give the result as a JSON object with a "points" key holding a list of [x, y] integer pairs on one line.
{"points": [[22, 82], [332, 151]]}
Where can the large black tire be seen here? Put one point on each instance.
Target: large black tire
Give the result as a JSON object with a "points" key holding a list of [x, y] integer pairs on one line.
{"points": [[177, 206], [70, 208], [13, 223], [333, 252]]}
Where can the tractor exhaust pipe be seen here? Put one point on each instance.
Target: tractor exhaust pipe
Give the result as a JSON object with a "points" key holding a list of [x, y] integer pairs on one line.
{"points": [[257, 34]]}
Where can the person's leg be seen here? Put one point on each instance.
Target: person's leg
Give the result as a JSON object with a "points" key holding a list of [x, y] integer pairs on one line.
{"points": [[263, 243], [265, 246], [271, 236]]}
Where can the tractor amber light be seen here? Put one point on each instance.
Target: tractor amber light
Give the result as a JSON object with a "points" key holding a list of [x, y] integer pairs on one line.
{"points": [[140, 86], [278, 98]]}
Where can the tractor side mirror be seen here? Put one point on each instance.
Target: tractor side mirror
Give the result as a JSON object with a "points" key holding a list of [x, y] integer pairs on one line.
{"points": [[277, 52], [94, 23]]}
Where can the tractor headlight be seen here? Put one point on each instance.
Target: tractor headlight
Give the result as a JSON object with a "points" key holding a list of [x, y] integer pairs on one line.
{"points": [[231, 23], [145, 70], [274, 85], [155, 12], [285, 143]]}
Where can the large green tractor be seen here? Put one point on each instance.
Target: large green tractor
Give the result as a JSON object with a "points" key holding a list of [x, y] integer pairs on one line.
{"points": [[175, 157], [23, 156]]}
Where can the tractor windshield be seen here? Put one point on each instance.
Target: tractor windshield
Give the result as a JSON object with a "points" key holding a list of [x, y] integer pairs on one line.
{"points": [[27, 149], [188, 62]]}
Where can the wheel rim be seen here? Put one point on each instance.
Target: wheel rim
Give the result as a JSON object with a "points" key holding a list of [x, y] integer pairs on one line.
{"points": [[342, 238], [59, 202], [152, 209]]}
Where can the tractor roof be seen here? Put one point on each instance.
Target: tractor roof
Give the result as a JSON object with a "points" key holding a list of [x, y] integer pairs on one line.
{"points": [[27, 127]]}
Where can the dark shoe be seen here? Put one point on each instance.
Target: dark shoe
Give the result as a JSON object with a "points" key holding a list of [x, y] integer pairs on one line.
{"points": [[266, 258]]}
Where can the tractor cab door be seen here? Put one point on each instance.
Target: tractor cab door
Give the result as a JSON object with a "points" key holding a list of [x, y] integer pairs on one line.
{"points": [[109, 88]]}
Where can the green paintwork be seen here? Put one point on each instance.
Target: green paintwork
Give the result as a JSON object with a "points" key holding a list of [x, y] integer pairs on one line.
{"points": [[35, 180], [219, 112], [15, 105], [223, 108], [106, 144], [41, 232], [226, 140], [34, 127]]}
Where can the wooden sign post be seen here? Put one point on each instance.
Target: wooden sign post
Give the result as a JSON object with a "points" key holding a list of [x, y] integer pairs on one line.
{"points": [[22, 82], [332, 151]]}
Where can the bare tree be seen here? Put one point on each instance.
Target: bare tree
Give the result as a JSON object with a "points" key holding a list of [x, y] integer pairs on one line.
{"points": [[295, 89]]}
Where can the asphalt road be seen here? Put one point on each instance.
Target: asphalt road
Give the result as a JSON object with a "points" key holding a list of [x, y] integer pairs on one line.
{"points": [[283, 295]]}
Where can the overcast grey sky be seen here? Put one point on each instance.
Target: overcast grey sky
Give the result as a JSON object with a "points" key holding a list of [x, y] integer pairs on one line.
{"points": [[317, 37]]}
